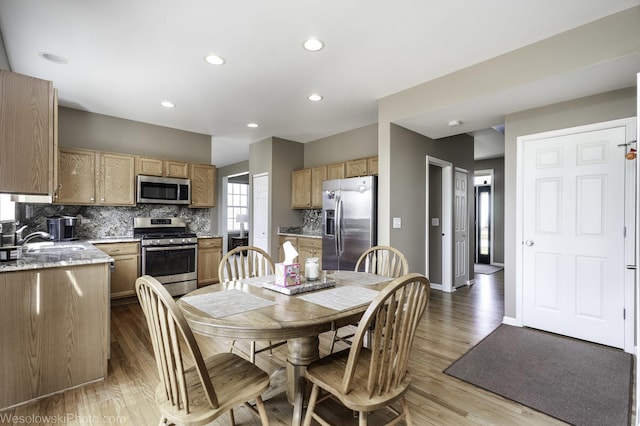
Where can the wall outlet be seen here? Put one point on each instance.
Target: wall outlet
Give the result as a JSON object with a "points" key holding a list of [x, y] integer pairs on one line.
{"points": [[397, 222], [435, 221]]}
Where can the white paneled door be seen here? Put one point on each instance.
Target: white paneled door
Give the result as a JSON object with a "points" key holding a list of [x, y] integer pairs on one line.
{"points": [[461, 233], [573, 257], [260, 230]]}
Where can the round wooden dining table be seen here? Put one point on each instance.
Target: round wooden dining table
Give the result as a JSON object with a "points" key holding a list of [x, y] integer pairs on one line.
{"points": [[246, 309]]}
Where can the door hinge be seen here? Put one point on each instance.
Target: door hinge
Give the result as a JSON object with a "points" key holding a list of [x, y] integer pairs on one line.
{"points": [[624, 314], [624, 232]]}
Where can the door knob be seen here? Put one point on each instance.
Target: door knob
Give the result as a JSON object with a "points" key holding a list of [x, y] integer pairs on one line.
{"points": [[528, 243]]}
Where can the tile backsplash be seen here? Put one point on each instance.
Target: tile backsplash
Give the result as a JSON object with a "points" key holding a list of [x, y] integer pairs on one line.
{"points": [[312, 221], [97, 222]]}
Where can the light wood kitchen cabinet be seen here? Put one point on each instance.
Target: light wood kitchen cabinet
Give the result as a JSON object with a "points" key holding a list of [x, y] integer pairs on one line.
{"points": [[209, 257], [126, 269], [318, 175], [157, 167], [372, 164], [362, 167], [281, 240], [176, 169], [357, 168], [203, 185], [115, 179], [309, 247], [76, 177], [149, 166], [305, 246], [95, 178], [54, 324], [28, 110], [335, 171], [301, 189]]}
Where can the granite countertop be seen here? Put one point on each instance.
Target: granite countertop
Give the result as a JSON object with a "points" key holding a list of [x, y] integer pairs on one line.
{"points": [[116, 239], [300, 234], [298, 231], [54, 255]]}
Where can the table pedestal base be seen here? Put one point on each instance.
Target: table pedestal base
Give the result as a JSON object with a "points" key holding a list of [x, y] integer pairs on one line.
{"points": [[302, 351]]}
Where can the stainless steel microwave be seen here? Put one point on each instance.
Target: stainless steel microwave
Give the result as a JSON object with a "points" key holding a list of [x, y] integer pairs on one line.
{"points": [[161, 190]]}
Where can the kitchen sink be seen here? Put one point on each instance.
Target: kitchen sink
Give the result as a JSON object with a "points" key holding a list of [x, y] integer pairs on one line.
{"points": [[51, 246]]}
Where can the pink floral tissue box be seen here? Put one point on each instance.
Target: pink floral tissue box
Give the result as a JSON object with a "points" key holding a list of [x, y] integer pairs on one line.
{"points": [[287, 275]]}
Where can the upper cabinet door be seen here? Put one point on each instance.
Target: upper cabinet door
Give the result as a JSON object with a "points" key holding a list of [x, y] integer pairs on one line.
{"points": [[76, 176], [176, 169], [203, 185], [26, 134], [116, 179], [335, 171], [318, 175], [357, 168], [149, 166], [301, 189]]}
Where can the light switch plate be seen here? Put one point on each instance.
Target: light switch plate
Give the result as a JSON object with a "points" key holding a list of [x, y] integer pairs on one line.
{"points": [[397, 222], [435, 221]]}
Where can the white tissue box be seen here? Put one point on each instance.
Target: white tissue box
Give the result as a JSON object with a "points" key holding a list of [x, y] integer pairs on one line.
{"points": [[287, 275]]}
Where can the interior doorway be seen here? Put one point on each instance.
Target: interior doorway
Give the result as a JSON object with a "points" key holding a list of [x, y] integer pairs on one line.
{"points": [[483, 188], [439, 223]]}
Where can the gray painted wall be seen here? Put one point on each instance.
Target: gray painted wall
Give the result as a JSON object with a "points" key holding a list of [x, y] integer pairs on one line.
{"points": [[81, 129], [357, 143], [497, 164], [278, 157], [408, 170], [593, 109]]}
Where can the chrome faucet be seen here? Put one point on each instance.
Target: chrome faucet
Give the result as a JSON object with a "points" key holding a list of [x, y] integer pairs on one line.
{"points": [[38, 234]]}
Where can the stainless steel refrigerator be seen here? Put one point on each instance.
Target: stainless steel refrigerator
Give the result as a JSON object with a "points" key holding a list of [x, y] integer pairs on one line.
{"points": [[349, 225]]}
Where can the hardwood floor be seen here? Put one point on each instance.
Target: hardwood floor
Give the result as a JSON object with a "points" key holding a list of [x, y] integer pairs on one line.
{"points": [[453, 323]]}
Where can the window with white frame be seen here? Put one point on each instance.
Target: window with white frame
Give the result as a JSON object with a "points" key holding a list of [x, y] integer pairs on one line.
{"points": [[237, 205]]}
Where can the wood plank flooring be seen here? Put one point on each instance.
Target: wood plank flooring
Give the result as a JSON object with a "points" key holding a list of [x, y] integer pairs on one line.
{"points": [[453, 323]]}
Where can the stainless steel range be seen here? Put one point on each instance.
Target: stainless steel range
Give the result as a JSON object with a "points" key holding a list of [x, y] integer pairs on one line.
{"points": [[169, 252]]}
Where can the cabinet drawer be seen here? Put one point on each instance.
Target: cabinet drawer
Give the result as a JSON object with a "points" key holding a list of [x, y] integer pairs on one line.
{"points": [[315, 243], [116, 249], [209, 243]]}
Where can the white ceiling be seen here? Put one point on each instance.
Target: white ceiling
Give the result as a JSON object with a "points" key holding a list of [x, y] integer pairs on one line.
{"points": [[124, 57]]}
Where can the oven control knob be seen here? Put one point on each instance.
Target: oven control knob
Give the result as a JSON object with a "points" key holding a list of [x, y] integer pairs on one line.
{"points": [[172, 241]]}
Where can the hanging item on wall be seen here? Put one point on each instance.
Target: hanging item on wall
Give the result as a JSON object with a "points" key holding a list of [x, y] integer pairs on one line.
{"points": [[631, 155]]}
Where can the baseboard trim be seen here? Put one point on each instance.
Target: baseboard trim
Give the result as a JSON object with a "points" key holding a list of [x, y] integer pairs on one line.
{"points": [[436, 286], [511, 321]]}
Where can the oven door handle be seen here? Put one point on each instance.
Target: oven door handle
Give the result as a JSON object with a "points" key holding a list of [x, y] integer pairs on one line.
{"points": [[163, 248]]}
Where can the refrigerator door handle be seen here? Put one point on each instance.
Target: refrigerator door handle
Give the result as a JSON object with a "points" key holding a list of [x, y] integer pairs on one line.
{"points": [[339, 248]]}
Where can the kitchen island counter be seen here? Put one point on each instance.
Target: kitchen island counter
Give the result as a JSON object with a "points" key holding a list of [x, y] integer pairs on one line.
{"points": [[54, 320], [53, 255]]}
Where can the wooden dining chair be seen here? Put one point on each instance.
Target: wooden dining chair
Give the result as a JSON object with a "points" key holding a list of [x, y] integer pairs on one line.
{"points": [[198, 394], [247, 262], [380, 260], [368, 379]]}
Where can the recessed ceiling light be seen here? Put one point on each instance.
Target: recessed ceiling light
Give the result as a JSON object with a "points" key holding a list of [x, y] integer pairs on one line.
{"points": [[454, 123], [53, 58], [313, 44], [315, 97], [252, 125], [214, 59], [168, 104]]}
